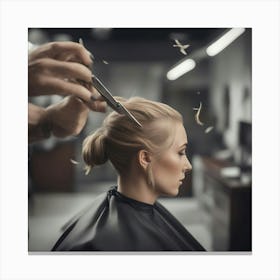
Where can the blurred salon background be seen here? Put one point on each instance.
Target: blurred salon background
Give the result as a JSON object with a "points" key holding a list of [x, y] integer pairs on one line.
{"points": [[213, 73]]}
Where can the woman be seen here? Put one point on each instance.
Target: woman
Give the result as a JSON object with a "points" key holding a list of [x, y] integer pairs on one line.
{"points": [[150, 161]]}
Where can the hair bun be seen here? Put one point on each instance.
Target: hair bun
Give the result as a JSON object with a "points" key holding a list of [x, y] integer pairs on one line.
{"points": [[94, 150]]}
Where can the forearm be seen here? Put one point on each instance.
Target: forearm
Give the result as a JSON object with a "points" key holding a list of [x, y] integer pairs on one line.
{"points": [[39, 126]]}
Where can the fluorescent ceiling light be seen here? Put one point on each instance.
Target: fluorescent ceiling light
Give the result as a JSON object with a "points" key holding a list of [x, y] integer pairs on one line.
{"points": [[179, 70], [224, 41]]}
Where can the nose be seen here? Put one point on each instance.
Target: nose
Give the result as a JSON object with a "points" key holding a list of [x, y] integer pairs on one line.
{"points": [[187, 166]]}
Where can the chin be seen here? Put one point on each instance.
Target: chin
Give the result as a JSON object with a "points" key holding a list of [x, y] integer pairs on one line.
{"points": [[168, 191], [176, 192], [173, 192]]}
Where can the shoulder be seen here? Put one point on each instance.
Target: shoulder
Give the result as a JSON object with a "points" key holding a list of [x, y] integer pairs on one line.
{"points": [[75, 228]]}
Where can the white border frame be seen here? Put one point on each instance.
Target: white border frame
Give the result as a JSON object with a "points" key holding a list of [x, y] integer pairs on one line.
{"points": [[17, 16]]}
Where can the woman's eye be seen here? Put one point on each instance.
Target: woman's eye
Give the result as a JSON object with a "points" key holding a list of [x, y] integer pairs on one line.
{"points": [[182, 153]]}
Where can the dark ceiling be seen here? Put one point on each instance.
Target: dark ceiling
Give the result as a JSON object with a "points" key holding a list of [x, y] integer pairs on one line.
{"points": [[137, 44]]}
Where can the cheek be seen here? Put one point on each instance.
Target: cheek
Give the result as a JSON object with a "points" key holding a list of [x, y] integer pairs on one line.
{"points": [[167, 174], [168, 167]]}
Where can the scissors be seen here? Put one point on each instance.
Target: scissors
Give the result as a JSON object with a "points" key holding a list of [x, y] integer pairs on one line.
{"points": [[111, 101]]}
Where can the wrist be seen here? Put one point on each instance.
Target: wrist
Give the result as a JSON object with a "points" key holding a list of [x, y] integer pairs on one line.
{"points": [[46, 125], [39, 123]]}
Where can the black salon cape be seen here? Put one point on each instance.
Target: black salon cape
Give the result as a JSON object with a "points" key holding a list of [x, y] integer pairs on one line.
{"points": [[115, 222]]}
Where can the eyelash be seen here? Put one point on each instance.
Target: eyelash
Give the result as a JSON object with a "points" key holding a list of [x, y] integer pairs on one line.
{"points": [[182, 153]]}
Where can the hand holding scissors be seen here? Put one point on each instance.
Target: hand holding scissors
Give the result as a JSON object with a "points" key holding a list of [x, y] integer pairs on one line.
{"points": [[108, 97]]}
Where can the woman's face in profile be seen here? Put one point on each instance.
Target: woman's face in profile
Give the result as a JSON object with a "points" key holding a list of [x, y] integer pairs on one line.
{"points": [[170, 167]]}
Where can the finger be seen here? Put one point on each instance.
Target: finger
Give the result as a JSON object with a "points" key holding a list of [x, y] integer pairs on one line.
{"points": [[76, 50], [97, 106], [77, 103], [79, 108], [95, 94], [63, 69], [62, 51], [61, 87]]}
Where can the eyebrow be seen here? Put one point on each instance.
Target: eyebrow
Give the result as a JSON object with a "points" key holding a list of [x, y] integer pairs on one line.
{"points": [[185, 144]]}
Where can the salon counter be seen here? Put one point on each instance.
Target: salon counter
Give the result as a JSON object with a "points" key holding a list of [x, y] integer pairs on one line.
{"points": [[228, 200]]}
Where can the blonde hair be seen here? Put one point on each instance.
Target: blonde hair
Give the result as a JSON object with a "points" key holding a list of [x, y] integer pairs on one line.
{"points": [[119, 139]]}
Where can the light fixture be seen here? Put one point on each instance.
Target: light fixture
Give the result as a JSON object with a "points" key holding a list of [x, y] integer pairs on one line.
{"points": [[101, 33], [224, 41], [182, 68]]}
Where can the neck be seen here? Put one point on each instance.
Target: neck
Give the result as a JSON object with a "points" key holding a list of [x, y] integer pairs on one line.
{"points": [[137, 189]]}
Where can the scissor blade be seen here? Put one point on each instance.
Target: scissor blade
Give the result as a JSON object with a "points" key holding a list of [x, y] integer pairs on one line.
{"points": [[112, 102], [126, 112]]}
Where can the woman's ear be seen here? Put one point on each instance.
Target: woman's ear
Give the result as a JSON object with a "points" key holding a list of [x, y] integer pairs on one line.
{"points": [[144, 158]]}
